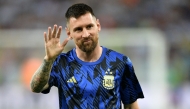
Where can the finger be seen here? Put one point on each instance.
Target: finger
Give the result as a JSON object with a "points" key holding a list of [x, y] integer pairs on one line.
{"points": [[54, 31], [45, 37], [65, 41], [59, 32], [49, 33]]}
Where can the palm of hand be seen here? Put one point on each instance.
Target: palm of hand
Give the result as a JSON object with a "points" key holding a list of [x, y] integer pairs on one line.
{"points": [[53, 48], [52, 42]]}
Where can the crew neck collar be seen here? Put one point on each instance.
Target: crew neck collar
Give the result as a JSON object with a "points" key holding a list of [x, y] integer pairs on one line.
{"points": [[90, 63]]}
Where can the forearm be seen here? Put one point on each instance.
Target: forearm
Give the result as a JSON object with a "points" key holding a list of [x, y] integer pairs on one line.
{"points": [[129, 107], [133, 105], [41, 76]]}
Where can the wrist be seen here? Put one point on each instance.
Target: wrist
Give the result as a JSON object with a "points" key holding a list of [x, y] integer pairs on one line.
{"points": [[48, 59]]}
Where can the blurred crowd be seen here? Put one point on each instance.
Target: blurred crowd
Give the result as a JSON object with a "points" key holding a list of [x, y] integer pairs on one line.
{"points": [[112, 13], [172, 17]]}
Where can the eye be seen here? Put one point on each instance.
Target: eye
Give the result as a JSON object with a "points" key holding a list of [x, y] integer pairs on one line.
{"points": [[78, 29], [89, 26]]}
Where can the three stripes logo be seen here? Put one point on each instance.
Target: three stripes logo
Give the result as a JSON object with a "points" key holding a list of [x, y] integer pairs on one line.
{"points": [[72, 80]]}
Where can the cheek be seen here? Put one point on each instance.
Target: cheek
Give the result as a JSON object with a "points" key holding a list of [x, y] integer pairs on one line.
{"points": [[76, 37], [77, 40]]}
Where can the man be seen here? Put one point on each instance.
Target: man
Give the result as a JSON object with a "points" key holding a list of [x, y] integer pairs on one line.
{"points": [[89, 76]]}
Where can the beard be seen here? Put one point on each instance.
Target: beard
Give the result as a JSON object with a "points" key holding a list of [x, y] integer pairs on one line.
{"points": [[87, 44]]}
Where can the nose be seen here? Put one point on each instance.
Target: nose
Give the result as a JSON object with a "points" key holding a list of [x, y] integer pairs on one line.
{"points": [[85, 33]]}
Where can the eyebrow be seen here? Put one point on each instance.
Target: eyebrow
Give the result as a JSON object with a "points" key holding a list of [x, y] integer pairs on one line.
{"points": [[76, 28], [79, 27], [91, 24]]}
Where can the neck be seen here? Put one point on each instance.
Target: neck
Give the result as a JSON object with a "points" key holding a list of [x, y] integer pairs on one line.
{"points": [[90, 56]]}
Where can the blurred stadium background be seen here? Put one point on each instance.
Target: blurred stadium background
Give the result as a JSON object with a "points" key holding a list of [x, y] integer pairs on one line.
{"points": [[153, 33]]}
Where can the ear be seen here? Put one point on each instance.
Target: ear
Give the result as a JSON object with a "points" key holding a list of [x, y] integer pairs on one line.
{"points": [[98, 24], [68, 32]]}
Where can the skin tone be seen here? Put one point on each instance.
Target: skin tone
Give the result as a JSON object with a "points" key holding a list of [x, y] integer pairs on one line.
{"points": [[133, 105], [53, 48], [84, 32]]}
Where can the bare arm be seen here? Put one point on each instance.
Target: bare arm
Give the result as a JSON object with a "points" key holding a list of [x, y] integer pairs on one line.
{"points": [[40, 78], [53, 48], [133, 105]]}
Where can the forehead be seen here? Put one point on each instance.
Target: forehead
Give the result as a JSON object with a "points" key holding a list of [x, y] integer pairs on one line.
{"points": [[81, 21]]}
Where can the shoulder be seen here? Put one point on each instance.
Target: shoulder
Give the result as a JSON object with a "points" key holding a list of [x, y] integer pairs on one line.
{"points": [[65, 57], [112, 54]]}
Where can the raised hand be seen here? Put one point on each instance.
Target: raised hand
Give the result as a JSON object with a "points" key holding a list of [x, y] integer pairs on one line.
{"points": [[53, 47]]}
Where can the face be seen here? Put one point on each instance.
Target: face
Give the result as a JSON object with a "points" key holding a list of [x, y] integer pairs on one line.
{"points": [[84, 31]]}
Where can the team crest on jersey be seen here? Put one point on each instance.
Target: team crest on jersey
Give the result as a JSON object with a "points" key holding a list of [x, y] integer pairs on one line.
{"points": [[108, 81]]}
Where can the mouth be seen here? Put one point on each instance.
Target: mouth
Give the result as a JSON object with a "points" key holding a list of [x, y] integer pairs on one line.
{"points": [[87, 41]]}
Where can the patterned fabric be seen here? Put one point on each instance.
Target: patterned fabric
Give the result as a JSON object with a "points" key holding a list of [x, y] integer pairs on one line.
{"points": [[94, 85]]}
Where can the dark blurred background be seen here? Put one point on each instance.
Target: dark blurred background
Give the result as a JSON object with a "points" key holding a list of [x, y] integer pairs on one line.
{"points": [[21, 21]]}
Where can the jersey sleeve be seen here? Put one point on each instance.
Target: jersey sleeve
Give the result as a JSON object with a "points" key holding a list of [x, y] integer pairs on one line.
{"points": [[54, 77], [130, 88]]}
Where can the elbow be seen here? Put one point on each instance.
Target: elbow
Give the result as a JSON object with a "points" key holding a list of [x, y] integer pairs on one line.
{"points": [[34, 89]]}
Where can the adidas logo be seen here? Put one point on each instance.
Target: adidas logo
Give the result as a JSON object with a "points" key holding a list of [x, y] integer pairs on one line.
{"points": [[72, 80]]}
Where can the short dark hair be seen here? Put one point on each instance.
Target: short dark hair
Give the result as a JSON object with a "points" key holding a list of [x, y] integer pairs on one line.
{"points": [[78, 10]]}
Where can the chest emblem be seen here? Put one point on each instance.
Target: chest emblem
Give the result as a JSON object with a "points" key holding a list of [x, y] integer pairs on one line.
{"points": [[108, 81], [72, 80]]}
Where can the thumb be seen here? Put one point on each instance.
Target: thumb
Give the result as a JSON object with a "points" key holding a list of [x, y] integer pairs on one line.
{"points": [[65, 41]]}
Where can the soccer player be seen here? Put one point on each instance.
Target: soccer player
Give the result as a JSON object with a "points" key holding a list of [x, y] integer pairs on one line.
{"points": [[89, 76]]}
